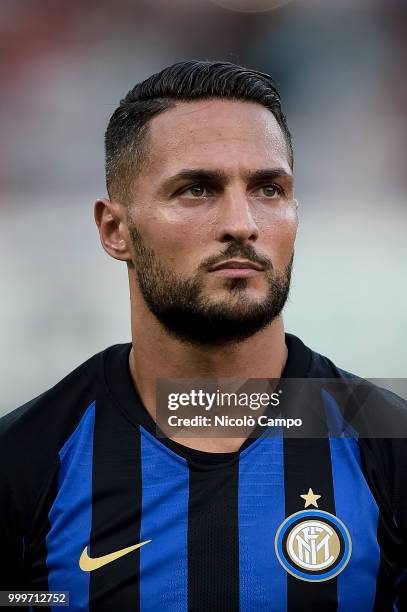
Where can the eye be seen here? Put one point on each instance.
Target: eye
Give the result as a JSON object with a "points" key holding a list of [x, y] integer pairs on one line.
{"points": [[271, 191], [196, 191]]}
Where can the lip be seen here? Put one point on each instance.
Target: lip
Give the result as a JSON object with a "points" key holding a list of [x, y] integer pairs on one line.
{"points": [[236, 268], [236, 264], [236, 272]]}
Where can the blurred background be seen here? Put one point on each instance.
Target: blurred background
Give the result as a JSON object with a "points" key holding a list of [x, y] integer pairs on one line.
{"points": [[340, 66]]}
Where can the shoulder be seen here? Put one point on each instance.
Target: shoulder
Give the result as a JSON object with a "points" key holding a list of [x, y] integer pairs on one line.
{"points": [[32, 435], [364, 390], [378, 418], [53, 409]]}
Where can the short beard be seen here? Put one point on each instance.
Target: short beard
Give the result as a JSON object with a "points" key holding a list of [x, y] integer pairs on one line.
{"points": [[186, 314]]}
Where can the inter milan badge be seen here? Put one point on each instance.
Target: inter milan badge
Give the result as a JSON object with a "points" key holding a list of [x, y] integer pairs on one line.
{"points": [[313, 545]]}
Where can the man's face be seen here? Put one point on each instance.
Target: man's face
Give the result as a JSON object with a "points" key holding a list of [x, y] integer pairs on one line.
{"points": [[215, 190]]}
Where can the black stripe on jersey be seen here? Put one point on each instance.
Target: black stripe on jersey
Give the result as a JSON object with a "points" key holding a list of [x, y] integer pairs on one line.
{"points": [[389, 540], [36, 552], [115, 517], [385, 589], [307, 464], [213, 538]]}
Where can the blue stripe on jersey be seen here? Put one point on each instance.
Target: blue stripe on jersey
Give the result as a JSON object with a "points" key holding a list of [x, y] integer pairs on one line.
{"points": [[263, 581], [71, 515], [357, 509], [164, 521]]}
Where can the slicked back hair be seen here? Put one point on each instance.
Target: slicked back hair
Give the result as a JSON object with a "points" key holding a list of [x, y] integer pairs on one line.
{"points": [[125, 138]]}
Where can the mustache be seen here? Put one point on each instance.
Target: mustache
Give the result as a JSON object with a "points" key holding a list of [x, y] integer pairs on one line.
{"points": [[234, 249], [239, 251]]}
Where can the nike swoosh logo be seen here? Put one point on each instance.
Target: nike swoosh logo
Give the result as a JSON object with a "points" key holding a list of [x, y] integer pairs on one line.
{"points": [[88, 564]]}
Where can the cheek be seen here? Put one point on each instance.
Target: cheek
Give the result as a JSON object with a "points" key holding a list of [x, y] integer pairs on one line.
{"points": [[279, 236], [172, 241]]}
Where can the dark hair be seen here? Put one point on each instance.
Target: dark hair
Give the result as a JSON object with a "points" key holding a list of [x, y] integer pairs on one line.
{"points": [[185, 81]]}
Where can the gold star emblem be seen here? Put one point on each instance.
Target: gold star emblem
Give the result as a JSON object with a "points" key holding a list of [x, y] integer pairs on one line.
{"points": [[310, 498]]}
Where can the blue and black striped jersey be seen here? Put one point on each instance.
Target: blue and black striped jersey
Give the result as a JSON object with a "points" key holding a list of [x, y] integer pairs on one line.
{"points": [[282, 524]]}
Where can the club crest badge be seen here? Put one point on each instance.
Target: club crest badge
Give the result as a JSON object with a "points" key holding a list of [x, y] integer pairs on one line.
{"points": [[313, 545]]}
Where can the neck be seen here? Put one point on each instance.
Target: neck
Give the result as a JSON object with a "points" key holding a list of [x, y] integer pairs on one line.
{"points": [[157, 354]]}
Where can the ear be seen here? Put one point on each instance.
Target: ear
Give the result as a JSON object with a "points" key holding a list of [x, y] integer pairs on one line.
{"points": [[110, 217], [296, 202]]}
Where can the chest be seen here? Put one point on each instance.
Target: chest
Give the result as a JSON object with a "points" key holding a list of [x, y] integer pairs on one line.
{"points": [[289, 522]]}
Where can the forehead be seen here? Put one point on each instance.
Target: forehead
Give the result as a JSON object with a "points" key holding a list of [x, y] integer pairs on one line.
{"points": [[215, 133]]}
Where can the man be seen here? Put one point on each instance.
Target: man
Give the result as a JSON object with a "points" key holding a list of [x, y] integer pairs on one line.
{"points": [[201, 207]]}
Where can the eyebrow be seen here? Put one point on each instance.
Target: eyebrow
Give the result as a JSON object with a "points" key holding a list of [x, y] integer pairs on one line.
{"points": [[201, 175]]}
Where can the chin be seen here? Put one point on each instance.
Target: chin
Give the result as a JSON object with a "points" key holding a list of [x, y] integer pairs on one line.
{"points": [[238, 296]]}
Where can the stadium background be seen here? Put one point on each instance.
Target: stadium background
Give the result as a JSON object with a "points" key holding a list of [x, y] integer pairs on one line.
{"points": [[64, 65]]}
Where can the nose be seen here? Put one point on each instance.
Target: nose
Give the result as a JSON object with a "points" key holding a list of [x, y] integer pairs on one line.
{"points": [[235, 222]]}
